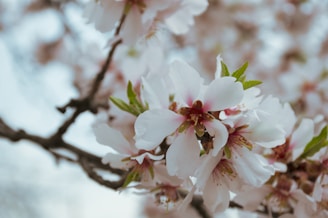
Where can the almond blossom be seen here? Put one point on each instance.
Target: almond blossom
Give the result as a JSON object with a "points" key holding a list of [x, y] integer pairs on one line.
{"points": [[128, 156], [189, 117], [144, 16]]}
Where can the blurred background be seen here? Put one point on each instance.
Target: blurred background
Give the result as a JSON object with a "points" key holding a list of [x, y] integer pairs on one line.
{"points": [[49, 53]]}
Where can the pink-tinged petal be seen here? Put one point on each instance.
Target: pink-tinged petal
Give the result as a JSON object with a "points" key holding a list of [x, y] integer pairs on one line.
{"points": [[179, 22], [182, 157], [140, 158], [223, 93], [196, 7], [251, 167], [301, 136], [216, 195], [282, 115], [218, 67], [252, 203], [204, 171], [263, 131], [187, 200], [152, 126], [119, 161], [155, 92], [133, 29], [163, 177], [105, 15], [153, 7], [187, 81], [106, 135], [219, 131]]}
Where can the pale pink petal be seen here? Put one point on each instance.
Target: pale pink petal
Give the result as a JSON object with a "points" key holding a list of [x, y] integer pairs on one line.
{"points": [[187, 200], [105, 15], [155, 92], [251, 167], [163, 177], [301, 136], [152, 126], [223, 93], [220, 133], [218, 67], [187, 81], [132, 29], [204, 171], [179, 22], [152, 9], [118, 161], [106, 135], [216, 195], [263, 131], [257, 196], [182, 157], [140, 158], [196, 7]]}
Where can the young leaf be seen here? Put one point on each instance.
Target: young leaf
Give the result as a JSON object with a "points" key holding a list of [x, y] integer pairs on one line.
{"points": [[316, 144], [238, 73], [123, 106], [225, 71], [133, 99], [251, 83], [132, 176]]}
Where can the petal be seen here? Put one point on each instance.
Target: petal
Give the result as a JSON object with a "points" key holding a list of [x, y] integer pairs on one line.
{"points": [[179, 22], [223, 93], [182, 157], [251, 167], [187, 81], [133, 28], [152, 126], [204, 171], [109, 136], [258, 194], [216, 195], [218, 67], [115, 161], [140, 158], [196, 7], [219, 131], [301, 136], [155, 92], [263, 131]]}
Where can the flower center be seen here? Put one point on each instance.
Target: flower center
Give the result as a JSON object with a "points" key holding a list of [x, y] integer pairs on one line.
{"points": [[196, 117]]}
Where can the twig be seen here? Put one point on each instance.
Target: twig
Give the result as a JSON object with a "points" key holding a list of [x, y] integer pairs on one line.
{"points": [[198, 204], [51, 144]]}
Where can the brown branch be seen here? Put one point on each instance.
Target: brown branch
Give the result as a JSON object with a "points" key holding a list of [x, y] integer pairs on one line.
{"points": [[198, 204], [89, 169], [51, 144]]}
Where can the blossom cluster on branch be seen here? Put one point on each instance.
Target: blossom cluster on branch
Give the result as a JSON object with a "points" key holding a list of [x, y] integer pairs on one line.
{"points": [[184, 128]]}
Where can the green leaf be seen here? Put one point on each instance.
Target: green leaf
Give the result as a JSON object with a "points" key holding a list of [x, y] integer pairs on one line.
{"points": [[133, 99], [224, 69], [134, 106], [251, 83], [238, 73], [316, 144], [132, 176], [123, 106]]}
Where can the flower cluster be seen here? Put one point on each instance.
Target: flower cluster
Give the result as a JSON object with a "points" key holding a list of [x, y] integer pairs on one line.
{"points": [[198, 137], [144, 17], [180, 133]]}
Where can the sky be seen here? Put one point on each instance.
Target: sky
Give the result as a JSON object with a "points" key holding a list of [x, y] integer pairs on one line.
{"points": [[32, 185]]}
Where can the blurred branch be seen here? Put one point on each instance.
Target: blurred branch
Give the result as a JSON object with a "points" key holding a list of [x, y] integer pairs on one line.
{"points": [[198, 204], [86, 160]]}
